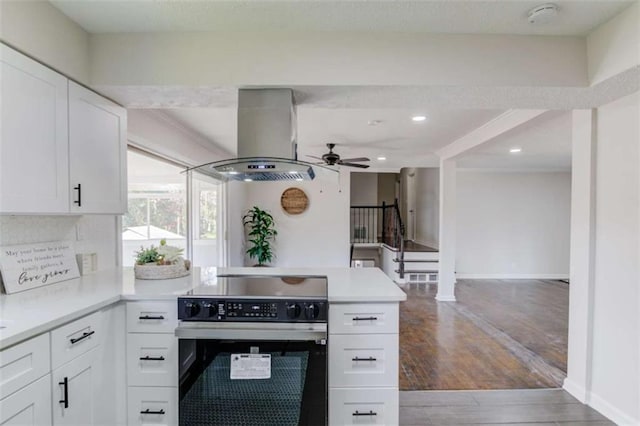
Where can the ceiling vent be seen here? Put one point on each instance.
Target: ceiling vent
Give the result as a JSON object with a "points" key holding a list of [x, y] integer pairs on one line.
{"points": [[543, 14]]}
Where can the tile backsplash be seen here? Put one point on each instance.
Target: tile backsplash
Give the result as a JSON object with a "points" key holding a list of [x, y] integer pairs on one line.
{"points": [[90, 234]]}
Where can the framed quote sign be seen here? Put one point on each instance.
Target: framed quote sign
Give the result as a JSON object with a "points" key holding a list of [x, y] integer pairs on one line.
{"points": [[29, 266]]}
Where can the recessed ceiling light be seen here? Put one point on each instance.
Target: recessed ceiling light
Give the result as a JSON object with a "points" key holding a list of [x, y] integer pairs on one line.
{"points": [[515, 150], [382, 158], [248, 180], [419, 118], [233, 172]]}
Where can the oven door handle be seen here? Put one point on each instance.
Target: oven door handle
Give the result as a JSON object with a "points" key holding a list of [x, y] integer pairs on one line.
{"points": [[214, 333]]}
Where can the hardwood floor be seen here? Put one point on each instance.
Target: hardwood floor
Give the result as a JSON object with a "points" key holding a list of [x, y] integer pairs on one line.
{"points": [[499, 335], [540, 407]]}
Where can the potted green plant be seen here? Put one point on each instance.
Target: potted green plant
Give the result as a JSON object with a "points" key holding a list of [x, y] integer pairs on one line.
{"points": [[261, 231], [160, 262]]}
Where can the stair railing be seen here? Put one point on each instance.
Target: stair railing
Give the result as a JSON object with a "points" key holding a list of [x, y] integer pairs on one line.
{"points": [[365, 227]]}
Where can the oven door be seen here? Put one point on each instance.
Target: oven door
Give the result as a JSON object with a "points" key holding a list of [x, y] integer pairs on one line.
{"points": [[252, 374]]}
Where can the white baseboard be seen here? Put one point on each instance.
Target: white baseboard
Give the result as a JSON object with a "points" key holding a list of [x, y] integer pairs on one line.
{"points": [[576, 390], [512, 276], [611, 412], [445, 298]]}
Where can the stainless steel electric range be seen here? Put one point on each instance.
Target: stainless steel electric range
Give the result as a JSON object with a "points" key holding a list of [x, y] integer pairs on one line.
{"points": [[253, 351]]}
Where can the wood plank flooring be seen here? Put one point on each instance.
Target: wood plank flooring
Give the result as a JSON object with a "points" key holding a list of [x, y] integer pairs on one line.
{"points": [[499, 335], [540, 407]]}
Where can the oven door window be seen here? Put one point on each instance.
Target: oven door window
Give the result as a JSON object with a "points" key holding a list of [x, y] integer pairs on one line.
{"points": [[295, 392]]}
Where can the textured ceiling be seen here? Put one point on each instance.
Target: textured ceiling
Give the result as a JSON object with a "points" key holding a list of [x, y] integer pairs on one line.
{"points": [[545, 142], [576, 17]]}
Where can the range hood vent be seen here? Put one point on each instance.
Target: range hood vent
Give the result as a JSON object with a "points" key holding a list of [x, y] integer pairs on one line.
{"points": [[267, 148]]}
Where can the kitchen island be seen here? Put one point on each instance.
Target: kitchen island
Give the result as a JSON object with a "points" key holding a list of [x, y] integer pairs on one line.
{"points": [[100, 312]]}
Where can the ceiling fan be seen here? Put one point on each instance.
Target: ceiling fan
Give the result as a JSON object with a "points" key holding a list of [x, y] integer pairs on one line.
{"points": [[331, 159]]}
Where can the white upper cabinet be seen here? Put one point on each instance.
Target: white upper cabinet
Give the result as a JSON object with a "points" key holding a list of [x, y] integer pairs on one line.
{"points": [[34, 164], [97, 153]]}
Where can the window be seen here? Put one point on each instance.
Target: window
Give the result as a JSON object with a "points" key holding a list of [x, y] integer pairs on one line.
{"points": [[158, 210]]}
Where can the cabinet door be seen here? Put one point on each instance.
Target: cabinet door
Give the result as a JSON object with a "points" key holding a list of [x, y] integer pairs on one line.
{"points": [[34, 165], [97, 153], [76, 387], [30, 406]]}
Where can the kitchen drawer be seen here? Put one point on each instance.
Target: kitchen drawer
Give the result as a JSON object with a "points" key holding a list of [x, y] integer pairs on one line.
{"points": [[152, 360], [362, 406], [24, 363], [30, 406], [152, 406], [363, 360], [75, 338], [152, 317], [361, 318]]}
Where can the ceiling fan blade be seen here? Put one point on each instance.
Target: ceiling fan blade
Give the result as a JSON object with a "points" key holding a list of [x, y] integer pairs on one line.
{"points": [[355, 160], [361, 166], [313, 156]]}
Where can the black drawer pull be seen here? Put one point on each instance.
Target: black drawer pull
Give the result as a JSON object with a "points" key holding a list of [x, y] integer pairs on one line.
{"points": [[65, 400], [151, 358], [79, 189], [364, 359], [147, 411], [370, 413], [365, 318], [84, 336], [149, 317]]}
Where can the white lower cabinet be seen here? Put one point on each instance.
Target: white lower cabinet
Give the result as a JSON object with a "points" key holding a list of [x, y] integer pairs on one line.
{"points": [[76, 391], [152, 406], [152, 360], [30, 406], [362, 406], [363, 360], [363, 364]]}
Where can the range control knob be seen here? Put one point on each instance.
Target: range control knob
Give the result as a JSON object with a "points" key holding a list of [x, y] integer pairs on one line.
{"points": [[312, 311], [293, 310], [212, 310], [191, 309]]}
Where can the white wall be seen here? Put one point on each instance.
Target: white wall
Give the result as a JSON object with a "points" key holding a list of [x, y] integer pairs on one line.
{"points": [[613, 47], [513, 225], [427, 187], [316, 238], [615, 388], [97, 234], [364, 189], [42, 31]]}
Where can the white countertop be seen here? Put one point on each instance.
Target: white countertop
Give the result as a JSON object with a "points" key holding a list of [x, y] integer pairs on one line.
{"points": [[27, 314]]}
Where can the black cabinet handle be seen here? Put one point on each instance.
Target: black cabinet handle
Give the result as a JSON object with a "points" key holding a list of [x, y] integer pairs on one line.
{"points": [[151, 358], [364, 359], [84, 336], [149, 317], [365, 318], [65, 401], [370, 413], [79, 189], [147, 411]]}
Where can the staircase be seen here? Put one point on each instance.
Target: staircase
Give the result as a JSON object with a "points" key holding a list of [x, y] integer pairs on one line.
{"points": [[419, 264], [380, 228]]}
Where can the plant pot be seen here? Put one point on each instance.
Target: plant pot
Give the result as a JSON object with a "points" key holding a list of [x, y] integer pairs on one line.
{"points": [[152, 271]]}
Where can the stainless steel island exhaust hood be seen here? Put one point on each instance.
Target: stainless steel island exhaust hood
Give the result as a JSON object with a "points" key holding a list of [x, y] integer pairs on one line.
{"points": [[266, 140]]}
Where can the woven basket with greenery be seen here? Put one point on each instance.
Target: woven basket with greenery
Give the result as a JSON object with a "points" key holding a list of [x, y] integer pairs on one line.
{"points": [[160, 263]]}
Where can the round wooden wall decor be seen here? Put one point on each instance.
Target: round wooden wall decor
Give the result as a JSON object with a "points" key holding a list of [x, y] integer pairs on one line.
{"points": [[294, 201]]}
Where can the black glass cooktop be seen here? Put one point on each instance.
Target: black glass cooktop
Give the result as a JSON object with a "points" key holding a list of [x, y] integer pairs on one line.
{"points": [[250, 286]]}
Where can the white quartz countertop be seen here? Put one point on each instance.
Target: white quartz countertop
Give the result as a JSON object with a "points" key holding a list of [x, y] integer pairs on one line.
{"points": [[32, 312]]}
